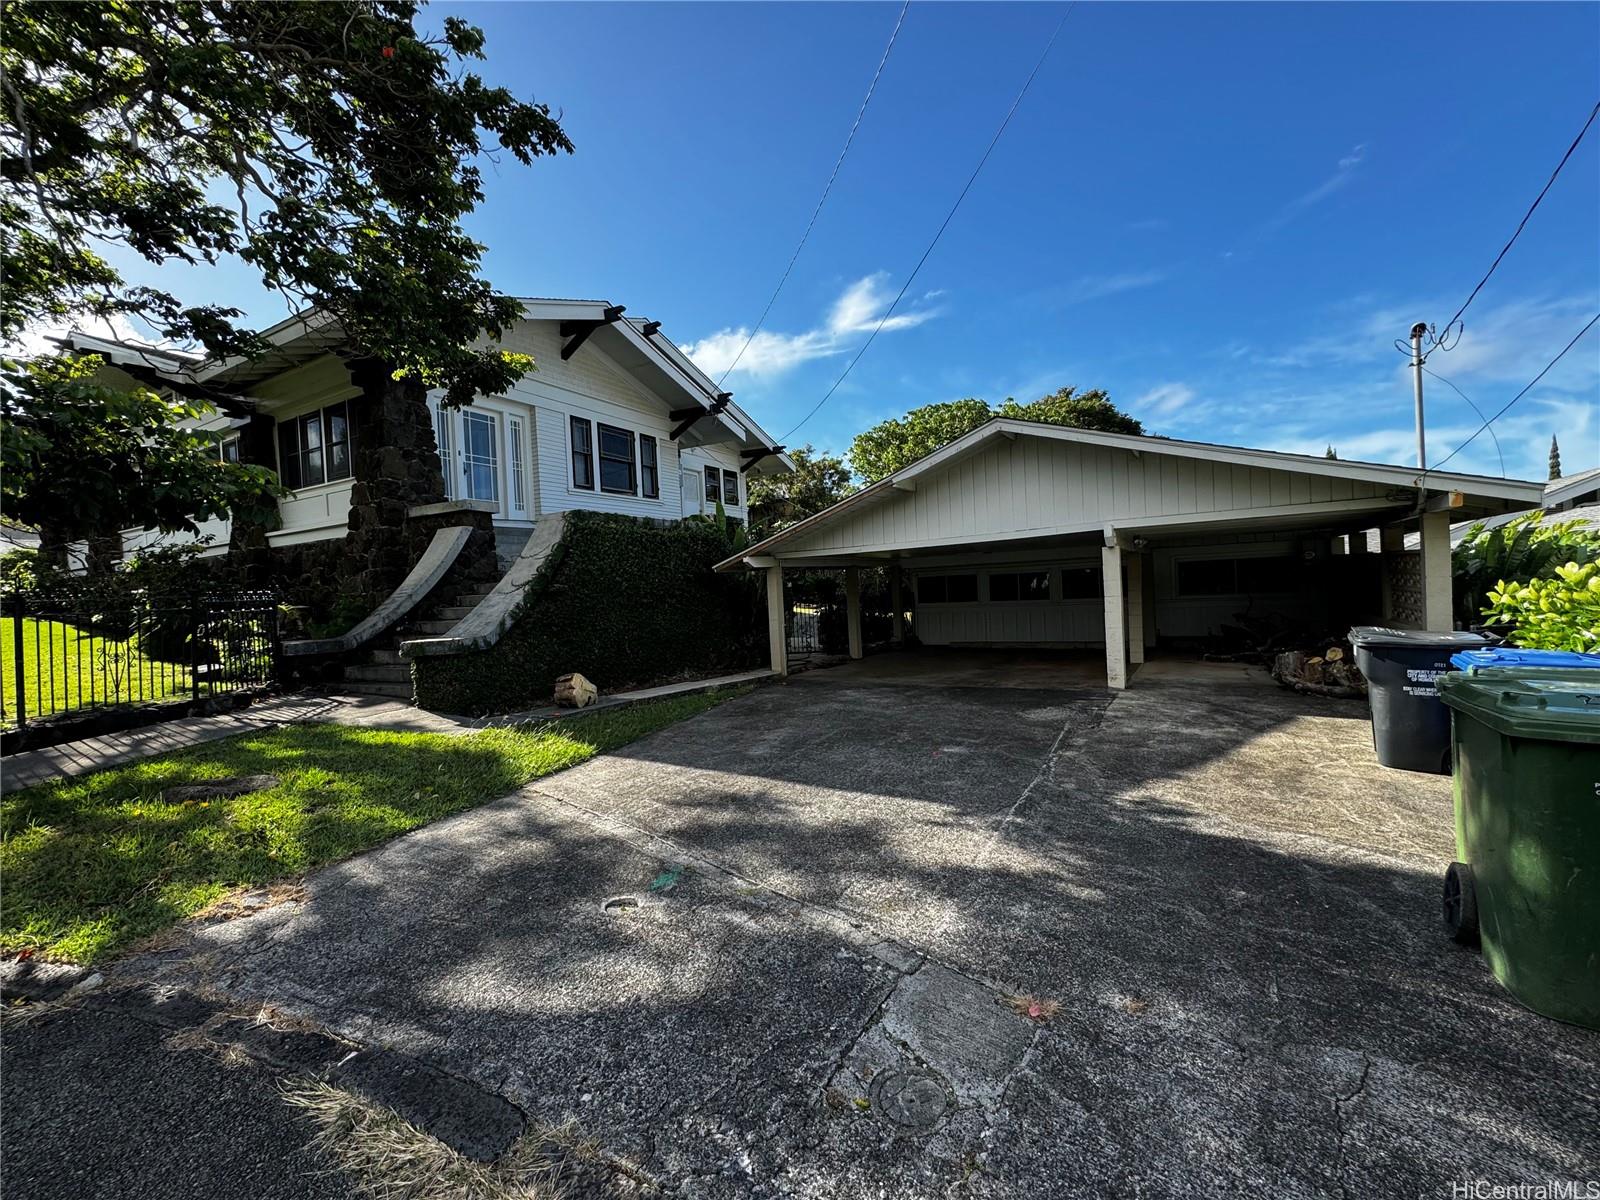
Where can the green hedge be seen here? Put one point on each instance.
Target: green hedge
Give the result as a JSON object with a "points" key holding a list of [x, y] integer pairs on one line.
{"points": [[627, 602]]}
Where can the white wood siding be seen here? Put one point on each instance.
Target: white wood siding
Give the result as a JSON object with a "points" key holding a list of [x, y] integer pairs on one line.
{"points": [[591, 385], [1032, 486]]}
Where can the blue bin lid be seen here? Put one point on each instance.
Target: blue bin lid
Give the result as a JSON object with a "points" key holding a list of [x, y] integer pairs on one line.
{"points": [[1511, 656]]}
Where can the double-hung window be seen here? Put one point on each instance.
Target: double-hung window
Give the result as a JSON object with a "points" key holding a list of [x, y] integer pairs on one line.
{"points": [[649, 467], [228, 449], [713, 484], [616, 461], [315, 448], [582, 453], [730, 489]]}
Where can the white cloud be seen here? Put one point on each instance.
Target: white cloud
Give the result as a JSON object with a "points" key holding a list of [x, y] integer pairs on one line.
{"points": [[1096, 287], [40, 338], [1164, 400], [855, 313]]}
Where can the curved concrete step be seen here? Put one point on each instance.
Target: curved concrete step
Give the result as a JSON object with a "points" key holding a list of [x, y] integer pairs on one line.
{"points": [[483, 626], [445, 546]]}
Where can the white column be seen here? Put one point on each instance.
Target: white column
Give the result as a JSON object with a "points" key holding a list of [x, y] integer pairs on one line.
{"points": [[1116, 619], [852, 604], [1136, 608], [897, 601], [777, 637], [1438, 607]]}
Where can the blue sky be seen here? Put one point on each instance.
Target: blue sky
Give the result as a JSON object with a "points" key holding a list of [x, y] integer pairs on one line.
{"points": [[1222, 214]]}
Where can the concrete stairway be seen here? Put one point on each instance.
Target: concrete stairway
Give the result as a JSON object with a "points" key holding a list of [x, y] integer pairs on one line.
{"points": [[385, 673]]}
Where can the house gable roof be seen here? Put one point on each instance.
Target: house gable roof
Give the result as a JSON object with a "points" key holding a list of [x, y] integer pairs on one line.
{"points": [[1401, 481]]}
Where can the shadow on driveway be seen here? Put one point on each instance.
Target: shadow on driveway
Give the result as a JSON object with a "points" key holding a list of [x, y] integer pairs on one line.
{"points": [[1232, 904]]}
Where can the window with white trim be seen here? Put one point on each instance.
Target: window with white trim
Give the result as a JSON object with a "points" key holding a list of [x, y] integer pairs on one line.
{"points": [[713, 484], [480, 456], [444, 440], [314, 447], [649, 467], [730, 489], [582, 433], [519, 481]]}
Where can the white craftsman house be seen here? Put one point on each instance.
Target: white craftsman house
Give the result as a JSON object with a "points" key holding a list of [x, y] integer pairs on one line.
{"points": [[1025, 534], [409, 528], [614, 419]]}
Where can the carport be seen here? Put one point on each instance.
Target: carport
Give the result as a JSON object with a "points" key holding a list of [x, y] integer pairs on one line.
{"points": [[1025, 534]]}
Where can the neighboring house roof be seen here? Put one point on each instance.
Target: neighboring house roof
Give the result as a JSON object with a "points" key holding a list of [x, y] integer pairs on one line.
{"points": [[1584, 514], [1556, 492], [1404, 482], [1570, 487]]}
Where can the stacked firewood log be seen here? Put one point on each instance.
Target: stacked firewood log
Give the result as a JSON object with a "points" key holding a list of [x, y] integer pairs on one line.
{"points": [[1331, 673]]}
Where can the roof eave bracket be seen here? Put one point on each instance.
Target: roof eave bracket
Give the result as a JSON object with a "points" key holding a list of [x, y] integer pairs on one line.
{"points": [[577, 332]]}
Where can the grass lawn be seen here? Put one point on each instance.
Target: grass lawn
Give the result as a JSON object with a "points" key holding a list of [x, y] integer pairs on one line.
{"points": [[79, 670], [90, 864]]}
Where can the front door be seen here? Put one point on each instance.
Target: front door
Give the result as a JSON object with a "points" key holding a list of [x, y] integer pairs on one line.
{"points": [[480, 456]]}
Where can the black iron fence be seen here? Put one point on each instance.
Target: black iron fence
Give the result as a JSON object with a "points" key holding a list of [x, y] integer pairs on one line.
{"points": [[804, 628], [67, 656]]}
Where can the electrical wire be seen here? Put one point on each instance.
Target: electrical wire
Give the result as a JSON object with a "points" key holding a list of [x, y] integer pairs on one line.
{"points": [[1439, 342], [1481, 417], [1592, 322], [823, 199], [971, 179]]}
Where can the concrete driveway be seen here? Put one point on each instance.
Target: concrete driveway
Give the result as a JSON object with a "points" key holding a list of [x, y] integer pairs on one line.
{"points": [[1226, 910]]}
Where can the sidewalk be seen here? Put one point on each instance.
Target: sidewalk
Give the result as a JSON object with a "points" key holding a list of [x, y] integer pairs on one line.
{"points": [[94, 754]]}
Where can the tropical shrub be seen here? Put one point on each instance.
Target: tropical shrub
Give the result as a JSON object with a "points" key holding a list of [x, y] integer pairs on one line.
{"points": [[1560, 612], [1516, 552]]}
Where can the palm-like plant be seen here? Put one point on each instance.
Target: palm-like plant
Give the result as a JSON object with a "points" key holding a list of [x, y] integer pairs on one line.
{"points": [[1516, 552]]}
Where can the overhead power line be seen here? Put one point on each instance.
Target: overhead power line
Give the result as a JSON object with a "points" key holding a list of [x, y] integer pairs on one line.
{"points": [[1441, 339], [971, 179], [1592, 322], [1481, 417], [823, 199]]}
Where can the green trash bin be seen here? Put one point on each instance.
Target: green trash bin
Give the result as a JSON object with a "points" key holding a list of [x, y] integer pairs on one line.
{"points": [[1526, 752]]}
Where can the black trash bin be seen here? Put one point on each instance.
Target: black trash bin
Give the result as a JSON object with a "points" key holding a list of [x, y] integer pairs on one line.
{"points": [[1410, 724]]}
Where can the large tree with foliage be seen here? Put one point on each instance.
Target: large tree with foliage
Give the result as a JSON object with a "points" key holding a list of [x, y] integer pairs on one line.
{"points": [[332, 146], [819, 481], [899, 442], [76, 450]]}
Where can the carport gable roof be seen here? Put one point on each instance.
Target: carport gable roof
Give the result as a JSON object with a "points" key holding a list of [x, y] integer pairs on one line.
{"points": [[1404, 484]]}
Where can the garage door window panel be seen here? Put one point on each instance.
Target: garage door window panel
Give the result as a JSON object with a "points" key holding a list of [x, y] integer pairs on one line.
{"points": [[1080, 583], [947, 589], [1019, 586]]}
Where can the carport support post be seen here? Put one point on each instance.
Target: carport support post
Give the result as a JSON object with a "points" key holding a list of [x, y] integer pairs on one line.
{"points": [[897, 602], [1391, 544], [1116, 619], [1136, 608], [852, 604], [1438, 602], [777, 638]]}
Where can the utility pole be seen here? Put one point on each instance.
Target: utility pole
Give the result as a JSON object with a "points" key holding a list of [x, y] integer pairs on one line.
{"points": [[1417, 331]]}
